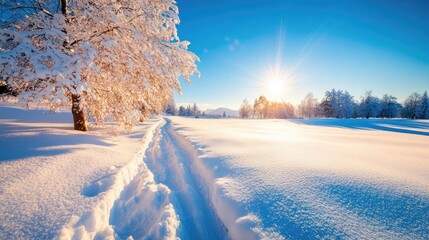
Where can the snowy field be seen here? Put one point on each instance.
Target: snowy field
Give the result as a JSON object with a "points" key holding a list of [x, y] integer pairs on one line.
{"points": [[310, 179], [213, 179], [50, 173]]}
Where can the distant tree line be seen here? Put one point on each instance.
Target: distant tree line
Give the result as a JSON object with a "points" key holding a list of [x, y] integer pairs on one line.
{"points": [[262, 108], [340, 104], [188, 111]]}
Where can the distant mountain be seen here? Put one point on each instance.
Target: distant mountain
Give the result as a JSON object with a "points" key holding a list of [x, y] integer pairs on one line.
{"points": [[219, 111], [209, 110]]}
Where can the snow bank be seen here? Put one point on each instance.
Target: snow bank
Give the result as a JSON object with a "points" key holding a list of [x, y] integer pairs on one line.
{"points": [[132, 205], [173, 162], [240, 224], [145, 211], [51, 176]]}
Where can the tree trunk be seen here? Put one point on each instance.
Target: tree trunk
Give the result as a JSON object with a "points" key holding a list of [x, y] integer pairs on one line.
{"points": [[64, 7], [78, 114], [79, 120]]}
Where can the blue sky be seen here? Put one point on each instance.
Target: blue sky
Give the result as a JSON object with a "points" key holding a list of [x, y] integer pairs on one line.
{"points": [[317, 45]]}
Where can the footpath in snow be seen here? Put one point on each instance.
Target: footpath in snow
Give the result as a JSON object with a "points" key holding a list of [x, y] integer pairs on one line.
{"points": [[157, 196], [51, 175], [57, 183]]}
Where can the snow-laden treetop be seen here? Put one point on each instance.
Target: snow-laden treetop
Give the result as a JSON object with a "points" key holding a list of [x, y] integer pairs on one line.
{"points": [[111, 60]]}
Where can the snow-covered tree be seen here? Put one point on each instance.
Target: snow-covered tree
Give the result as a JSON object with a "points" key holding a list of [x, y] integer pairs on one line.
{"points": [[281, 110], [189, 111], [329, 103], [308, 106], [182, 111], [412, 107], [369, 106], [195, 110], [260, 107], [347, 105], [424, 106], [171, 109], [107, 60], [338, 104], [389, 107], [245, 109]]}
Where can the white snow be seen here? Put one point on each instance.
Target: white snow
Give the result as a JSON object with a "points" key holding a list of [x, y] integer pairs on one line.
{"points": [[52, 175], [213, 179], [131, 204], [321, 178]]}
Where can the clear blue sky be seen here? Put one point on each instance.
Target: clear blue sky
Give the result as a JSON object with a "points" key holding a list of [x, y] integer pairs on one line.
{"points": [[350, 45]]}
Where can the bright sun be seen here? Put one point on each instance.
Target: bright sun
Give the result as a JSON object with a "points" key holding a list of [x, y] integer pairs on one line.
{"points": [[274, 79], [275, 82], [276, 88]]}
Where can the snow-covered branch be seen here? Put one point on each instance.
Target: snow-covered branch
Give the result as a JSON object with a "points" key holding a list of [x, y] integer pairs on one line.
{"points": [[105, 31], [121, 60]]}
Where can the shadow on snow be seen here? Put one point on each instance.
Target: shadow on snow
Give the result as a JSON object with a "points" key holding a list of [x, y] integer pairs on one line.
{"points": [[18, 139], [416, 127]]}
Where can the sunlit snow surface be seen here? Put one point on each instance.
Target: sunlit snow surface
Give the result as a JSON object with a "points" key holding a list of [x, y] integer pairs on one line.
{"points": [[307, 179], [213, 179], [50, 173]]}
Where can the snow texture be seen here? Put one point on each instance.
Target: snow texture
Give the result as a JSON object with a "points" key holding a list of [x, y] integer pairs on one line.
{"points": [[128, 202], [50, 172], [312, 179], [213, 179]]}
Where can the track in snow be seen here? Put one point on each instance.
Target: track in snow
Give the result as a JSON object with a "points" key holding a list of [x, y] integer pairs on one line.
{"points": [[172, 164], [158, 195]]}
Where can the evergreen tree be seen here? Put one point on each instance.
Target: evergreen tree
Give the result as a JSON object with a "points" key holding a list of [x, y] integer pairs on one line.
{"points": [[189, 111], [182, 111], [195, 110], [171, 109], [328, 104]]}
